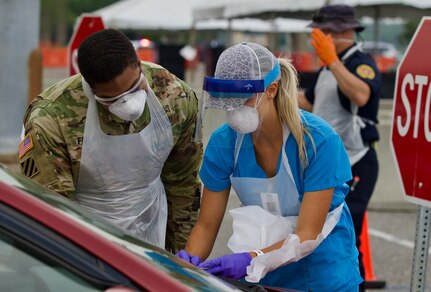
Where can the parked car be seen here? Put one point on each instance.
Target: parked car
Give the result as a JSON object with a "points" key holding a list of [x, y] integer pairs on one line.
{"points": [[385, 54], [49, 243]]}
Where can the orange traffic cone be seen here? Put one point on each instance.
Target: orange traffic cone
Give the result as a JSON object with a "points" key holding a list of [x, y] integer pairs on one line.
{"points": [[370, 279]]}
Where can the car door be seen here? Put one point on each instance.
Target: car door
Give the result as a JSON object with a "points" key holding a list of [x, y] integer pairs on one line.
{"points": [[34, 258]]}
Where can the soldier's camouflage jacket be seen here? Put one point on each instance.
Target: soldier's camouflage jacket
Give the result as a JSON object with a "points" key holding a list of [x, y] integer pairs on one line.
{"points": [[54, 124]]}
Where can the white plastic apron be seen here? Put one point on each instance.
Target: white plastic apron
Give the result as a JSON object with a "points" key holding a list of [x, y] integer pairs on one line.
{"points": [[249, 189], [119, 176], [347, 124], [256, 228]]}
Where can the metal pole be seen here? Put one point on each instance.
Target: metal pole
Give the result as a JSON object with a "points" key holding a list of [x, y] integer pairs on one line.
{"points": [[420, 255], [274, 35], [229, 41], [376, 29], [192, 34], [19, 23]]}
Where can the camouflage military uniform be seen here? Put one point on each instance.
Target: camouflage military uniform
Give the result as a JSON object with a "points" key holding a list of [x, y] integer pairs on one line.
{"points": [[54, 125]]}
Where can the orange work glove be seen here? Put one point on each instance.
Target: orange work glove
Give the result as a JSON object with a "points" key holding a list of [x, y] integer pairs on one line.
{"points": [[324, 46]]}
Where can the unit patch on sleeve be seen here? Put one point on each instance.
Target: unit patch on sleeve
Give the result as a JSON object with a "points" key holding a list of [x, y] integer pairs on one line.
{"points": [[365, 71], [25, 146], [29, 167]]}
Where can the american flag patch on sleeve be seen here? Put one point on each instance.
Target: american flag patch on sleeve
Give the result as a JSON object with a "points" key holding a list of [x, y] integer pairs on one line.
{"points": [[25, 146]]}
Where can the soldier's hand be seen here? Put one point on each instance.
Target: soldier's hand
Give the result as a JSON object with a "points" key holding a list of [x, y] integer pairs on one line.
{"points": [[324, 46]]}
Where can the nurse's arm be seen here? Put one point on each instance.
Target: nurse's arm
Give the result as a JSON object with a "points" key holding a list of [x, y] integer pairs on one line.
{"points": [[312, 215], [203, 235]]}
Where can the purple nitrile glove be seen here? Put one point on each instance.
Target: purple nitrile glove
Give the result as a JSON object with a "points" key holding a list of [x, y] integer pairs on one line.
{"points": [[232, 266], [194, 260]]}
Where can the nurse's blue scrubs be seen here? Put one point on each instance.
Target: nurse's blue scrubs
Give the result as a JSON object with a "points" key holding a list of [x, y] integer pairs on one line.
{"points": [[333, 265]]}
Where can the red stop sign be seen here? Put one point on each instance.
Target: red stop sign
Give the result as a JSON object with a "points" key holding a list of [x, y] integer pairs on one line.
{"points": [[411, 130], [85, 26]]}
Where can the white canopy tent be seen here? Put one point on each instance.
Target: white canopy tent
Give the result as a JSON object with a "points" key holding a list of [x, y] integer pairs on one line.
{"points": [[255, 25], [178, 15], [149, 14], [303, 9], [270, 9]]}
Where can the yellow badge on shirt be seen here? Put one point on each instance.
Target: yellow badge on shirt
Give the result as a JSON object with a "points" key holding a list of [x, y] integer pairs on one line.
{"points": [[365, 71]]}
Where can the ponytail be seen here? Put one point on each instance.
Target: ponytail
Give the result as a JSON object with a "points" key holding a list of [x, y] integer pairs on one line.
{"points": [[287, 107]]}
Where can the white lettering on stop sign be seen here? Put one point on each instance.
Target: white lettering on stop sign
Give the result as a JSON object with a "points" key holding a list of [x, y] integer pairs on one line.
{"points": [[410, 81]]}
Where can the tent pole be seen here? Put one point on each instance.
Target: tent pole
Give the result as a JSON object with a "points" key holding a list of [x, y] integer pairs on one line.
{"points": [[192, 34], [376, 28], [229, 32], [274, 35]]}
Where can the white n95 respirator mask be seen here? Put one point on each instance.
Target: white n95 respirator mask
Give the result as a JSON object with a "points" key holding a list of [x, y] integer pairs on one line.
{"points": [[244, 120], [130, 106]]}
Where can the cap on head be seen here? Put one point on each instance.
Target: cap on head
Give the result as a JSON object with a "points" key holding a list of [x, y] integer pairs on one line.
{"points": [[337, 18], [245, 61]]}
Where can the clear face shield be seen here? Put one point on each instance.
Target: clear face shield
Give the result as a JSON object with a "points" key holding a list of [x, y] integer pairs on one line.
{"points": [[234, 101]]}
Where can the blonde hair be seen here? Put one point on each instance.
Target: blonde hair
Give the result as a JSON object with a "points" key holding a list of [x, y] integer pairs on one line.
{"points": [[287, 107]]}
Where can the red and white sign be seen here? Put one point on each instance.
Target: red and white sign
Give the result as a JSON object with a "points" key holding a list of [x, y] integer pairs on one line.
{"points": [[411, 129], [86, 25]]}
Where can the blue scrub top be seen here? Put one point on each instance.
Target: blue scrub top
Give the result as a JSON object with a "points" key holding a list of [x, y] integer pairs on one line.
{"points": [[333, 266]]}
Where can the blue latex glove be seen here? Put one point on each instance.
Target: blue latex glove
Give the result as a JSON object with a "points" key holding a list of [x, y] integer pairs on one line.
{"points": [[233, 266], [194, 260]]}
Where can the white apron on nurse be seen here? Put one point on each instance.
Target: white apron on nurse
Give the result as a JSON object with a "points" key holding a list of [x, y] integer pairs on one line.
{"points": [[274, 223], [278, 195], [119, 176]]}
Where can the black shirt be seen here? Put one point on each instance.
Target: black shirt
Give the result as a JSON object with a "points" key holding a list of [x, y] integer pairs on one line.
{"points": [[364, 67]]}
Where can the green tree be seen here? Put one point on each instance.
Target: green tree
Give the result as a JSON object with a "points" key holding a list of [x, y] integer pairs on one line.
{"points": [[408, 31], [58, 17]]}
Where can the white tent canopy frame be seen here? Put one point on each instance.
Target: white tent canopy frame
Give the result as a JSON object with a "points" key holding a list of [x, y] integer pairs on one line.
{"points": [[149, 14], [178, 15], [406, 9], [303, 9]]}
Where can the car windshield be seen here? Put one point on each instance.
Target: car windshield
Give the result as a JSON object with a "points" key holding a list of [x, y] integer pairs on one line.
{"points": [[155, 255], [70, 208]]}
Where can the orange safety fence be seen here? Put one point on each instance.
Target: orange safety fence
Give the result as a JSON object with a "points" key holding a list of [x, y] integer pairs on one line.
{"points": [[56, 57], [147, 54], [385, 64], [303, 61]]}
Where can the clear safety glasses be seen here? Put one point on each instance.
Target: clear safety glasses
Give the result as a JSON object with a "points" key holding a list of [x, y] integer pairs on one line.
{"points": [[111, 100]]}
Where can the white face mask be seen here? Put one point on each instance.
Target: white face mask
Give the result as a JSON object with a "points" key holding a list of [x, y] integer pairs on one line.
{"points": [[336, 40], [129, 107], [245, 119], [343, 40]]}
